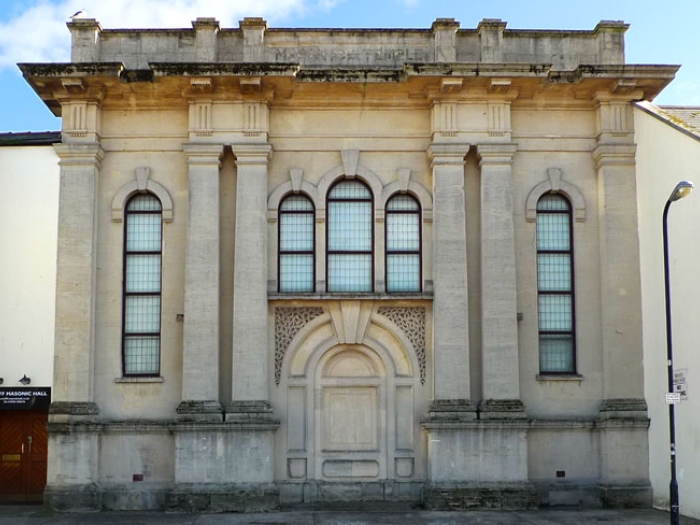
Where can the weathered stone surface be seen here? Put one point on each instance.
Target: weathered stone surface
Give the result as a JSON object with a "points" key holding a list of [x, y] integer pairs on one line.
{"points": [[465, 496], [232, 497]]}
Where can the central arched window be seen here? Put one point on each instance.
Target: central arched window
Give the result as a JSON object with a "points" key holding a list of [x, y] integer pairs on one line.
{"points": [[349, 254], [296, 244], [403, 245], [143, 249], [555, 285]]}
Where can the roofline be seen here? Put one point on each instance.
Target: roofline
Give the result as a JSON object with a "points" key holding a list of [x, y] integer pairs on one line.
{"points": [[30, 138], [654, 111]]}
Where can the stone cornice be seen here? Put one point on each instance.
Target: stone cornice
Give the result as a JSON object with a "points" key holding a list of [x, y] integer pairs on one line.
{"points": [[79, 154], [447, 153], [496, 154], [251, 154]]}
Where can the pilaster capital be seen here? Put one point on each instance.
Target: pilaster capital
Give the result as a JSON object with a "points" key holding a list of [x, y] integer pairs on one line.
{"points": [[252, 154], [203, 153], [605, 155], [496, 154], [447, 153], [74, 154]]}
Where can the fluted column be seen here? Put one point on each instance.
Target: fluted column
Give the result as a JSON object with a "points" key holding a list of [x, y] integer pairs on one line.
{"points": [[249, 388], [499, 331], [450, 302], [200, 356]]}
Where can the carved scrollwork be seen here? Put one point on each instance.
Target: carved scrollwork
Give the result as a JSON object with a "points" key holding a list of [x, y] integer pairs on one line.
{"points": [[288, 322], [412, 322]]}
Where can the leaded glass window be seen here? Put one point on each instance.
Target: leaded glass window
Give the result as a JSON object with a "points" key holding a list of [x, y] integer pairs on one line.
{"points": [[555, 285], [403, 245], [142, 286], [296, 244], [350, 233]]}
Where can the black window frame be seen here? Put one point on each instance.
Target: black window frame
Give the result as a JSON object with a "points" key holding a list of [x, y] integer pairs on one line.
{"points": [[125, 294], [571, 292], [419, 213], [330, 252], [281, 253]]}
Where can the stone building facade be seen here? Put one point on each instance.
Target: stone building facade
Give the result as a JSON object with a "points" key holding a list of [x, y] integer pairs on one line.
{"points": [[301, 265]]}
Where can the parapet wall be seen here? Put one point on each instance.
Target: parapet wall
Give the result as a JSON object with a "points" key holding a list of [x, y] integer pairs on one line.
{"points": [[444, 42]]}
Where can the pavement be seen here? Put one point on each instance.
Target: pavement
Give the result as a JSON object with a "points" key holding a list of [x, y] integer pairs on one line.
{"points": [[36, 515]]}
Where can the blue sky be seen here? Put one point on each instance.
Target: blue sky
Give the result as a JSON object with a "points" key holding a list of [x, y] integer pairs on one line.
{"points": [[35, 31]]}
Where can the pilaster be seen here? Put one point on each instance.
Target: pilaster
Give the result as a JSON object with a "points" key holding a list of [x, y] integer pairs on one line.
{"points": [[499, 331], [200, 356], [206, 31], [491, 39], [75, 277], [253, 29], [620, 308], [450, 303], [249, 388]]}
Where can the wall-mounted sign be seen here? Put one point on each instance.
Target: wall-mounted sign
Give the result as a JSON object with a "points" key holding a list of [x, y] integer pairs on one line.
{"points": [[680, 382], [25, 398]]}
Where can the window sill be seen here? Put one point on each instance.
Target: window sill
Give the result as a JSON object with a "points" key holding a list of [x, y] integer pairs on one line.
{"points": [[137, 379], [424, 296], [559, 377]]}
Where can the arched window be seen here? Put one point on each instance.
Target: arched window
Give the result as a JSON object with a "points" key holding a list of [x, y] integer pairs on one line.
{"points": [[349, 256], [143, 250], [555, 285], [296, 244], [403, 244]]}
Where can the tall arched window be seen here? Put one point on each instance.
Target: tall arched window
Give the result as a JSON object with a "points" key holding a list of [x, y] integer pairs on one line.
{"points": [[403, 244], [143, 250], [349, 256], [296, 244], [555, 285]]}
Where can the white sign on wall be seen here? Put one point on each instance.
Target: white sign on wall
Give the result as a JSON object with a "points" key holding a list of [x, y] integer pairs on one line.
{"points": [[680, 382]]}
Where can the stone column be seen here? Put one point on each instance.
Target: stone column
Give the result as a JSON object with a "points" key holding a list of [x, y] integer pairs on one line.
{"points": [[72, 465], [200, 355], [499, 330], [249, 388], [450, 313]]}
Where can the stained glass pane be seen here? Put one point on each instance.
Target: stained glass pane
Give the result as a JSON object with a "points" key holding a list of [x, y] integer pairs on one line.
{"points": [[143, 232], [349, 226], [555, 313], [350, 273], [554, 272], [403, 273], [349, 189], [296, 273], [143, 273], [144, 202], [402, 203], [296, 203], [552, 202], [403, 232], [141, 355], [553, 231], [556, 353], [296, 232], [142, 314]]}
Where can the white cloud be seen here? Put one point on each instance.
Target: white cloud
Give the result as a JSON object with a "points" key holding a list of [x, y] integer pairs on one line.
{"points": [[39, 33]]}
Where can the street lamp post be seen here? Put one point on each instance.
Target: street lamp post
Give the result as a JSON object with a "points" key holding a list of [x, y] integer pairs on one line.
{"points": [[681, 190]]}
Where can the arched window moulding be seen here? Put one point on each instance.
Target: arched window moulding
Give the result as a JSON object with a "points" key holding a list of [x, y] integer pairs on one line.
{"points": [[556, 184], [141, 184], [350, 168]]}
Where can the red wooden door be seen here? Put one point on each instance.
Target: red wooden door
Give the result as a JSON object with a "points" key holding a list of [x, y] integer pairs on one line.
{"points": [[23, 453]]}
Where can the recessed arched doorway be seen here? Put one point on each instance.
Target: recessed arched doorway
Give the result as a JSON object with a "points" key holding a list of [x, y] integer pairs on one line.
{"points": [[350, 393]]}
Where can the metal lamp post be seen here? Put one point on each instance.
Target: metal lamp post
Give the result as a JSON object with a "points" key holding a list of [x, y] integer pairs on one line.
{"points": [[681, 190]]}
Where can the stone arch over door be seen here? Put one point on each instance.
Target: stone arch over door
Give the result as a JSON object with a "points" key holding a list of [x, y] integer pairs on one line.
{"points": [[350, 384]]}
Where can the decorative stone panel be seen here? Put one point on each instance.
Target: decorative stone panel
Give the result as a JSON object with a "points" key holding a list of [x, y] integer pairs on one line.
{"points": [[288, 322], [411, 320]]}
